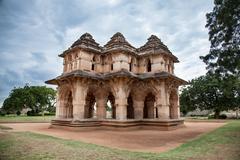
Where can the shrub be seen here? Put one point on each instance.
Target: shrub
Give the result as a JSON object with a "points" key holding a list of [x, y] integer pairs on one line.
{"points": [[18, 113], [211, 116], [2, 113], [223, 116], [49, 114]]}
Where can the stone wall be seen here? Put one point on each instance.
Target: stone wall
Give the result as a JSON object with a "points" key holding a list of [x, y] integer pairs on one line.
{"points": [[87, 61]]}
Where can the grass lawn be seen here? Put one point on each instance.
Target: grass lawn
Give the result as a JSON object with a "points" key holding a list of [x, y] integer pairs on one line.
{"points": [[14, 118], [223, 143]]}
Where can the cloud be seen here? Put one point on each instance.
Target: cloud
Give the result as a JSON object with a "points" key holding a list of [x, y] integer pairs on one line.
{"points": [[33, 33]]}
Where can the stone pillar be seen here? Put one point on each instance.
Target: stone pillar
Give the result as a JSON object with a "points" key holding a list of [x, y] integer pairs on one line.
{"points": [[178, 112], [162, 102], [120, 88], [78, 110], [178, 105], [58, 104], [79, 96], [59, 109], [138, 106], [163, 111], [121, 108], [101, 107], [62, 109]]}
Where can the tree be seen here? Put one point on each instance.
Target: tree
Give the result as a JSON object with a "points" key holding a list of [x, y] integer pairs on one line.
{"points": [[224, 34], [223, 59], [211, 93], [38, 98]]}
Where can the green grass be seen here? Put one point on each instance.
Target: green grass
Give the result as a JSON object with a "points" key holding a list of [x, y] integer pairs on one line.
{"points": [[14, 118], [4, 128], [223, 143]]}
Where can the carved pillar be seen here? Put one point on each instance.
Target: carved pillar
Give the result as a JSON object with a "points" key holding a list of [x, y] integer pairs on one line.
{"points": [[120, 88], [59, 109], [161, 103], [79, 95], [58, 104], [121, 108], [138, 106], [178, 106], [101, 107], [101, 101]]}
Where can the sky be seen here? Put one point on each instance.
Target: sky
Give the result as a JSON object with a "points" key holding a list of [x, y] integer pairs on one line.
{"points": [[34, 32]]}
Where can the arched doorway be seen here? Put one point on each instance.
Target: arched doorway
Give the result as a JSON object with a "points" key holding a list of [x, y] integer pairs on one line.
{"points": [[111, 108], [131, 65], [130, 109], [149, 66], [93, 63], [90, 106], [173, 107], [148, 110]]}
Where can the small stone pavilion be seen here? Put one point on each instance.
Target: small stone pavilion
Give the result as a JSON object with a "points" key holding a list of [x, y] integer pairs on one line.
{"points": [[117, 85]]}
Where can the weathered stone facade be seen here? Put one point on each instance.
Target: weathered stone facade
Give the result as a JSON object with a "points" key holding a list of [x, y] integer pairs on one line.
{"points": [[139, 83]]}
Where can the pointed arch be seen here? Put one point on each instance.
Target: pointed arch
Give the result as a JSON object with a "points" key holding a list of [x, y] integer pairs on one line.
{"points": [[93, 63], [149, 65], [131, 65], [148, 110]]}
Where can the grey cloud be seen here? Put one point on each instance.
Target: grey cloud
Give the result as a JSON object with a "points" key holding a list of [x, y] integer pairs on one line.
{"points": [[33, 33]]}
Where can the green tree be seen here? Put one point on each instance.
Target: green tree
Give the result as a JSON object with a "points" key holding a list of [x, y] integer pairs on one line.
{"points": [[224, 34], [223, 59], [38, 98], [211, 93]]}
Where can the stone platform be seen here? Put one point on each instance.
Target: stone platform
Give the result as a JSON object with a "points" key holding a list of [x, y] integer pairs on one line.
{"points": [[86, 124]]}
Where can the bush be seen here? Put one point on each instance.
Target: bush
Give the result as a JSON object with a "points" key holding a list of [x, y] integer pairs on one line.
{"points": [[32, 113], [49, 114], [223, 116], [211, 116], [18, 113], [2, 113]]}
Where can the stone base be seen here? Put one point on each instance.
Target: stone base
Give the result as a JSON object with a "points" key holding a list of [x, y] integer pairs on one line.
{"points": [[93, 124]]}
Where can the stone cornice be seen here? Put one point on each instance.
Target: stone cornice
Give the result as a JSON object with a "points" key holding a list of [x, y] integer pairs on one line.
{"points": [[117, 74]]}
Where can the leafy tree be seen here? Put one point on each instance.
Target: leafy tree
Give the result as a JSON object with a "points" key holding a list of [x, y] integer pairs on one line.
{"points": [[211, 93], [220, 87], [185, 100], [38, 98], [224, 34]]}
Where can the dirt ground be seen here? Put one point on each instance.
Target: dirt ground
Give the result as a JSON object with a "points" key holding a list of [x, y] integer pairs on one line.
{"points": [[134, 140]]}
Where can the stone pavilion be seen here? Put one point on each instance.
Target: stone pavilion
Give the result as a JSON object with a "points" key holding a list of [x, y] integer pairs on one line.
{"points": [[117, 85]]}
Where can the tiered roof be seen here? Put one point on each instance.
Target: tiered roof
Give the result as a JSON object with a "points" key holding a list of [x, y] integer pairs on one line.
{"points": [[153, 43], [155, 46], [119, 43], [86, 42]]}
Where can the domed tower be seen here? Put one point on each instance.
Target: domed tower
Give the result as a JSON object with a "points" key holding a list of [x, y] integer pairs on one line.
{"points": [[138, 83], [82, 55], [156, 57]]}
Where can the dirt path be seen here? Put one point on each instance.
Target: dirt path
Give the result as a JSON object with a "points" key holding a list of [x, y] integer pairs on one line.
{"points": [[135, 140]]}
